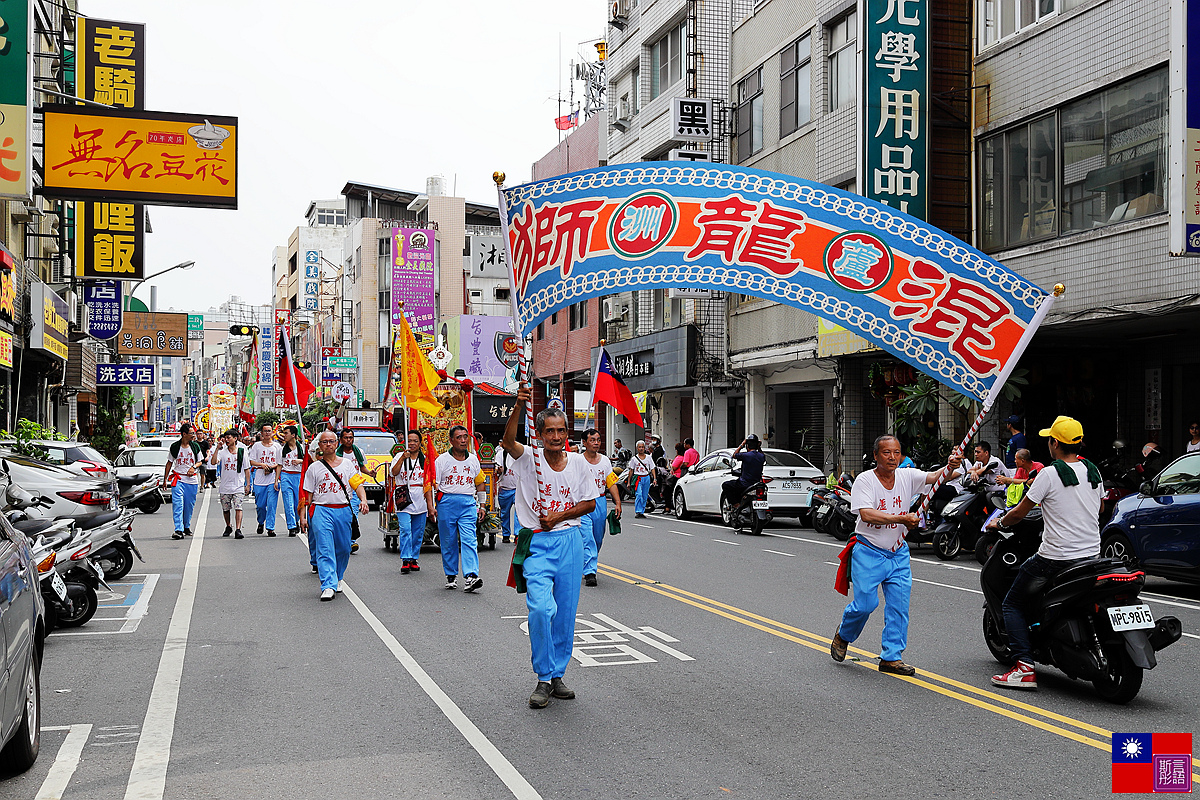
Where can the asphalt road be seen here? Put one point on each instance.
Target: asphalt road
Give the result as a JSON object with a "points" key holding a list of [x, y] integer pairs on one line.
{"points": [[702, 670]]}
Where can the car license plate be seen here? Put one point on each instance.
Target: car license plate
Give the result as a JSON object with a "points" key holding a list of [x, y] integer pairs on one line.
{"points": [[60, 588], [761, 505], [793, 484], [1130, 618]]}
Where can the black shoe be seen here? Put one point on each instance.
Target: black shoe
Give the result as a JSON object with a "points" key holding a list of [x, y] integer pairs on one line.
{"points": [[293, 531], [589, 579], [177, 535], [471, 583], [187, 531], [260, 528], [559, 689], [639, 516], [541, 695], [238, 534], [270, 533], [228, 530], [505, 540], [314, 568]]}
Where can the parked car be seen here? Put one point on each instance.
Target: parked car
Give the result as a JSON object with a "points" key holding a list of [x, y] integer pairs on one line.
{"points": [[71, 495], [142, 459], [1159, 527], [789, 492], [77, 457], [22, 634]]}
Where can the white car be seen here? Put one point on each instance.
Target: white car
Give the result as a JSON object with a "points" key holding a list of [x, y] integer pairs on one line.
{"points": [[140, 460], [789, 492]]}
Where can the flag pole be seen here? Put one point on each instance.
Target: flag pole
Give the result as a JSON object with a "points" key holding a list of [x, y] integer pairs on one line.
{"points": [[523, 371], [592, 395], [997, 386], [287, 351]]}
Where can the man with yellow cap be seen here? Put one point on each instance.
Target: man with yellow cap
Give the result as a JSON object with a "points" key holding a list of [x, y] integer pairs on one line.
{"points": [[1069, 492]]}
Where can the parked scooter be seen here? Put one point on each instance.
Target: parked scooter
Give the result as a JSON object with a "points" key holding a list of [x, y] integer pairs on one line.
{"points": [[963, 518], [140, 491], [831, 512], [1089, 622], [1122, 482]]}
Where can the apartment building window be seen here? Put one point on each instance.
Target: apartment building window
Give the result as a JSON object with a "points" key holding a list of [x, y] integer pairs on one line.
{"points": [[635, 90], [329, 216], [749, 115], [501, 293], [999, 19], [578, 318], [541, 331], [666, 60], [795, 105], [843, 75], [1093, 162], [357, 263]]}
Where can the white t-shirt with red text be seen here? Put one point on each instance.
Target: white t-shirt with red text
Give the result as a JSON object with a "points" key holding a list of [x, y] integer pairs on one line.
{"points": [[454, 476], [413, 474], [265, 454], [560, 490], [293, 460], [868, 492], [186, 460], [601, 470], [324, 488]]}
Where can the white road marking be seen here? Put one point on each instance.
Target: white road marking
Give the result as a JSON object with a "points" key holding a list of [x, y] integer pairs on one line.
{"points": [[515, 616], [65, 763], [681, 533], [642, 636], [949, 586], [640, 525], [1191, 636], [143, 602], [779, 553], [722, 541], [1170, 603], [1171, 597], [148, 777]]}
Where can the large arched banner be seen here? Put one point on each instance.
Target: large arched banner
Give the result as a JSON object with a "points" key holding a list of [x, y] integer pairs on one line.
{"points": [[915, 291]]}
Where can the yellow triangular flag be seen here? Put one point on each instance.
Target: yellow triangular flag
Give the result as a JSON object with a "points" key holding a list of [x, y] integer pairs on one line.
{"points": [[417, 375]]}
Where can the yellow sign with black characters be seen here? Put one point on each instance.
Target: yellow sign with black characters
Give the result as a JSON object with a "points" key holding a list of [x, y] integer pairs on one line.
{"points": [[108, 240], [111, 66], [49, 331]]}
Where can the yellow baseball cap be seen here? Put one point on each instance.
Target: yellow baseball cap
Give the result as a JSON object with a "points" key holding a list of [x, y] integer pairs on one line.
{"points": [[1065, 429]]}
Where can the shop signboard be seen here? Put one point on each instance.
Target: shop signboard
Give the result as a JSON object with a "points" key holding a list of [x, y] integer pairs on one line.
{"points": [[16, 117], [1184, 120], [329, 377], [311, 285], [6, 350], [153, 333], [102, 308], [124, 374], [50, 314]]}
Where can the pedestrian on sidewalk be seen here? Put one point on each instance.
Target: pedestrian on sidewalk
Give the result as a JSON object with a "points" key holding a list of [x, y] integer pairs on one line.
{"points": [[182, 474], [548, 561], [643, 475], [264, 457], [592, 528], [506, 493], [327, 513], [291, 459], [458, 487], [233, 481], [408, 469], [879, 555]]}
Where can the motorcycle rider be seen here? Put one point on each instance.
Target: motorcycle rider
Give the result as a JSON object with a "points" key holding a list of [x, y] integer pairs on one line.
{"points": [[1069, 492], [987, 467], [620, 456], [753, 460]]}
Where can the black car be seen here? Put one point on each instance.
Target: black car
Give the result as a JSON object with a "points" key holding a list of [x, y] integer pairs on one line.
{"points": [[22, 635]]}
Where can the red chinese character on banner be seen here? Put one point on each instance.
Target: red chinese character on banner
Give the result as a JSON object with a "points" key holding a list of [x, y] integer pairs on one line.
{"points": [[722, 224], [954, 310], [572, 230], [552, 235], [769, 244]]}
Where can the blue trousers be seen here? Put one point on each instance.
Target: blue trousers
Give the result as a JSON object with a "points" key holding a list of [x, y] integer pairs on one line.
{"points": [[411, 534], [871, 568], [552, 572], [507, 498], [592, 530], [329, 535], [643, 494], [266, 501], [456, 515], [289, 487], [183, 500], [1029, 585]]}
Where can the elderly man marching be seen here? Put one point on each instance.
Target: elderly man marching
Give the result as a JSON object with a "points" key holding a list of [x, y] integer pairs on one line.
{"points": [[548, 560], [593, 528], [327, 510], [879, 555], [460, 480], [264, 457]]}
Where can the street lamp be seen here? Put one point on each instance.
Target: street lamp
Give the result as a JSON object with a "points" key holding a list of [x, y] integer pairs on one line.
{"points": [[180, 265]]}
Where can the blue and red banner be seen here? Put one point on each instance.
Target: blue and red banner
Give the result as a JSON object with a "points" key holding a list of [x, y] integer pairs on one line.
{"points": [[1151, 762], [915, 291]]}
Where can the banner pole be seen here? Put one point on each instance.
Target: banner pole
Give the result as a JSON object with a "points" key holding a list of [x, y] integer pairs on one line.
{"points": [[997, 387]]}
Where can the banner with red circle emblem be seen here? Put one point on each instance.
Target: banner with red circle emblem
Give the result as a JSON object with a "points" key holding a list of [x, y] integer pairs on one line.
{"points": [[913, 290]]}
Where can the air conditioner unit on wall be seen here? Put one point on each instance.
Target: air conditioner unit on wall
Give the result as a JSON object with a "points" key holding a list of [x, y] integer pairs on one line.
{"points": [[618, 14], [613, 312]]}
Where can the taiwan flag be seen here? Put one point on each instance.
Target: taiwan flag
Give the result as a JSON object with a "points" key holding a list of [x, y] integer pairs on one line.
{"points": [[1151, 762], [608, 386]]}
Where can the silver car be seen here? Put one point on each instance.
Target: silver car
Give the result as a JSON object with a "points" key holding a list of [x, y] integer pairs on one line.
{"points": [[789, 492], [71, 495], [140, 460]]}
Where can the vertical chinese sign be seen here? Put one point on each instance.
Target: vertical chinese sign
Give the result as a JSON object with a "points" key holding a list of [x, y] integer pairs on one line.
{"points": [[16, 120], [311, 286], [1184, 186], [102, 304], [412, 281], [283, 327], [895, 111]]}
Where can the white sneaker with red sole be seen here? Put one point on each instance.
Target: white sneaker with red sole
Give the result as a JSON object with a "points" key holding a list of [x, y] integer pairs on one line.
{"points": [[1020, 676]]}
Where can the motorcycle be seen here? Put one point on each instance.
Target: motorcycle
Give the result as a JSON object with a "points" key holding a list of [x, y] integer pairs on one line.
{"points": [[140, 491], [962, 518], [1123, 481], [753, 511], [831, 512], [1088, 623]]}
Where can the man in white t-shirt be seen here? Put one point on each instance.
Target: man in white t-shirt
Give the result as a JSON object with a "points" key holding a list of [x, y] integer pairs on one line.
{"points": [[987, 467], [506, 492], [553, 496], [879, 555], [233, 479], [593, 524], [458, 489], [264, 458], [327, 514], [184, 462], [1069, 491]]}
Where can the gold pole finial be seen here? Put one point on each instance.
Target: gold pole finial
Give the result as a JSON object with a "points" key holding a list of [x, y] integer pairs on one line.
{"points": [[498, 177], [1060, 289]]}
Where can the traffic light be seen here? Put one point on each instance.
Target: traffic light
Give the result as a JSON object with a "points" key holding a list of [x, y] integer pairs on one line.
{"points": [[243, 330], [302, 364]]}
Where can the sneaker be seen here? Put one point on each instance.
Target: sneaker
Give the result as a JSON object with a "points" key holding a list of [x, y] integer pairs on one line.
{"points": [[541, 695], [837, 648], [177, 535], [314, 568], [471, 583], [414, 566], [404, 568], [228, 530], [260, 529], [270, 532], [353, 546], [187, 531], [293, 531], [559, 689], [1021, 676], [897, 667], [238, 534], [505, 540], [451, 581], [327, 594], [589, 579]]}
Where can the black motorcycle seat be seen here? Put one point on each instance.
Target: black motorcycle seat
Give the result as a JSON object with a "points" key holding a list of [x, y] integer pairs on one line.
{"points": [[1093, 566], [32, 526], [132, 480], [96, 521]]}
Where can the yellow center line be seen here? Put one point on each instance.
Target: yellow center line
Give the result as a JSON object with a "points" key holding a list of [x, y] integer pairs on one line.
{"points": [[821, 644]]}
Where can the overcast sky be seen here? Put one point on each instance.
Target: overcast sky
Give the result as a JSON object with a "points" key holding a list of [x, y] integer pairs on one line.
{"points": [[382, 91]]}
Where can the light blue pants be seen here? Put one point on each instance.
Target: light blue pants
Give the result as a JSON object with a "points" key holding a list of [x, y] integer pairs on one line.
{"points": [[871, 568], [552, 572], [266, 501], [329, 534], [507, 498], [456, 515], [411, 533], [289, 487], [183, 500], [592, 531], [643, 494]]}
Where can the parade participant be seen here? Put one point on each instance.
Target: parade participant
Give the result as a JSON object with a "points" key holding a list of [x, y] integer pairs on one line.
{"points": [[264, 457], [408, 468], [593, 524], [327, 512], [1069, 493], [506, 493], [879, 555], [291, 459], [205, 446], [459, 480], [548, 562], [183, 465], [348, 449], [644, 476], [1016, 442], [750, 453], [233, 481]]}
